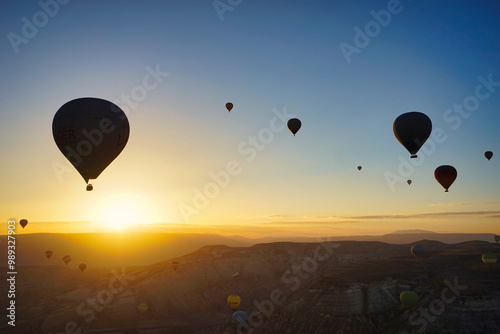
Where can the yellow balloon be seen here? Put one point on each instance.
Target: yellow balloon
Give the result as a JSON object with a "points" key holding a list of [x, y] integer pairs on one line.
{"points": [[233, 301]]}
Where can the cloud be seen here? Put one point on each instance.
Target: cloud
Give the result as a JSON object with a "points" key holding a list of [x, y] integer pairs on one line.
{"points": [[450, 204]]}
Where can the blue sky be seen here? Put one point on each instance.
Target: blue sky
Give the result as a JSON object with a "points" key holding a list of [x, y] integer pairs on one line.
{"points": [[262, 57]]}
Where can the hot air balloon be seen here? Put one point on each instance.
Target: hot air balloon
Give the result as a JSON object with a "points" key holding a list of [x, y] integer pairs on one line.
{"points": [[489, 259], [233, 301], [359, 167], [82, 267], [497, 238], [23, 222], [143, 307], [229, 106], [409, 299], [445, 175], [488, 155], [175, 265], [66, 259], [417, 251], [294, 125], [48, 254], [412, 130], [235, 275], [409, 182], [240, 318], [90, 133]]}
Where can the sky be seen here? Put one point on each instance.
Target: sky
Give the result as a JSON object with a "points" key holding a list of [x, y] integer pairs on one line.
{"points": [[345, 69]]}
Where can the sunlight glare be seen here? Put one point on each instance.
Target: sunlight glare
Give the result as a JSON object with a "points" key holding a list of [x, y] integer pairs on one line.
{"points": [[121, 217]]}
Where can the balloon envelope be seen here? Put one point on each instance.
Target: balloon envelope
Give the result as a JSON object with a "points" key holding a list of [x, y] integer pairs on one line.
{"points": [[66, 259], [229, 106], [412, 130], [417, 250], [240, 318], [489, 259], [90, 133], [359, 167], [409, 299], [294, 125], [233, 301], [445, 175], [23, 222], [497, 238], [82, 267], [175, 265], [409, 182], [48, 254], [488, 155]]}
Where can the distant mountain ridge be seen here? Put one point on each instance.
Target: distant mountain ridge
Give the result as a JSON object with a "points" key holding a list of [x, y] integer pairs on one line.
{"points": [[108, 249]]}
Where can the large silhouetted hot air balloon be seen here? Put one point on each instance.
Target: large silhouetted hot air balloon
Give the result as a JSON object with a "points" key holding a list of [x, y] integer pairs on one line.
{"points": [[91, 133], [240, 318], [82, 267], [497, 238], [23, 222], [417, 251], [360, 167], [409, 299], [48, 254], [445, 175], [489, 259], [143, 307], [488, 155], [66, 259], [229, 106], [175, 265], [412, 130], [294, 125], [409, 182], [233, 301]]}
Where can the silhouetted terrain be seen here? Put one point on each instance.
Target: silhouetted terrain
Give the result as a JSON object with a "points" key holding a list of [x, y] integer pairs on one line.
{"points": [[126, 249], [285, 287]]}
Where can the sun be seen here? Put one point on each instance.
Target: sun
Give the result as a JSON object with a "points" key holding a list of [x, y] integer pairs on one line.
{"points": [[121, 217]]}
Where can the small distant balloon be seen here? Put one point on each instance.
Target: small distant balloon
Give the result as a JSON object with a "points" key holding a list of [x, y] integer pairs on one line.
{"points": [[143, 307], [417, 251], [48, 254], [294, 125], [412, 130], [445, 175], [409, 299], [409, 182], [497, 238], [235, 275], [488, 155], [489, 259], [23, 222], [229, 106], [233, 301], [360, 167], [82, 267], [66, 259], [175, 265], [240, 318]]}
